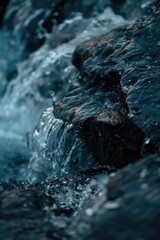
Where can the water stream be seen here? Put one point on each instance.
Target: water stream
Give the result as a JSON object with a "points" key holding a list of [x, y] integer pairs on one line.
{"points": [[45, 76]]}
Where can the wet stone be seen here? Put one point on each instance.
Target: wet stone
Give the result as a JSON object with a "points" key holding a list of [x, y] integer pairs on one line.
{"points": [[101, 121], [136, 190], [79, 134], [138, 77]]}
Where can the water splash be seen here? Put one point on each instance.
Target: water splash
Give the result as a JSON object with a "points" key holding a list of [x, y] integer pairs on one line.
{"points": [[56, 149], [45, 76], [49, 73]]}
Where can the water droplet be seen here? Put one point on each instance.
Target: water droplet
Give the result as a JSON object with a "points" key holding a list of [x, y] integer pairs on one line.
{"points": [[130, 115], [147, 140], [79, 188], [35, 133]]}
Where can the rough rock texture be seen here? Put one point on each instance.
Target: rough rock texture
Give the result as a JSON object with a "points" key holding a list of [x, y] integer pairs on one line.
{"points": [[122, 84], [101, 120], [47, 210], [133, 9], [129, 209], [133, 207], [113, 109], [119, 53]]}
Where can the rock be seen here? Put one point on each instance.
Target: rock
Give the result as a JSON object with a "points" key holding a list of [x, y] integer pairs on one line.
{"points": [[114, 106], [108, 118], [132, 208], [132, 10], [101, 119], [47, 208], [117, 57]]}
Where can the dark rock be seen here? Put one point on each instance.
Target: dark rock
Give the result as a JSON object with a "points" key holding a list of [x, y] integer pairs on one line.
{"points": [[138, 76], [46, 210], [111, 115], [132, 208], [101, 119], [133, 9]]}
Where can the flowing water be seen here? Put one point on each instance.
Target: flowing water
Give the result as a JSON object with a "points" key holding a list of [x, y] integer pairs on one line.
{"points": [[42, 155], [35, 146], [45, 76], [51, 186]]}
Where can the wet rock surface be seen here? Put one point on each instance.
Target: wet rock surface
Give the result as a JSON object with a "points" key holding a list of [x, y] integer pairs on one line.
{"points": [[134, 75], [79, 120], [133, 203]]}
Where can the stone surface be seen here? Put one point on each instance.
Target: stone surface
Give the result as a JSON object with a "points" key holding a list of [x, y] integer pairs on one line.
{"points": [[46, 210], [100, 117], [122, 85], [132, 209], [95, 158]]}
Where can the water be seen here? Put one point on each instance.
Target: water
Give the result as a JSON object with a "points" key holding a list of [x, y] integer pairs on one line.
{"points": [[41, 79], [36, 147], [56, 150], [9, 45]]}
